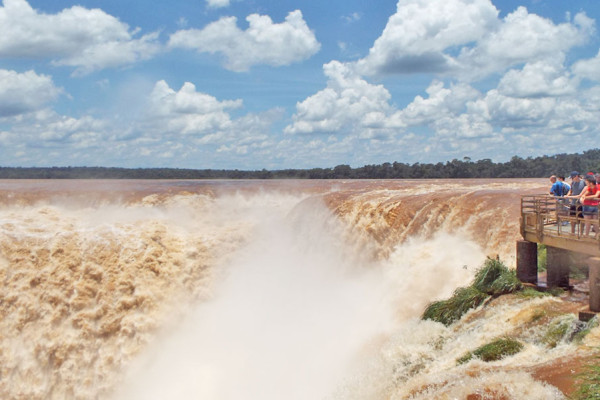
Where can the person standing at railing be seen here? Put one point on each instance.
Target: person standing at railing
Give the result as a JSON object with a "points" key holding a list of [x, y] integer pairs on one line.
{"points": [[559, 189], [566, 188], [589, 199], [575, 211]]}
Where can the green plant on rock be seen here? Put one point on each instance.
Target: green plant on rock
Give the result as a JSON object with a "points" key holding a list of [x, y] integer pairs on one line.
{"points": [[590, 384], [448, 311], [494, 279], [496, 350], [558, 330], [531, 293]]}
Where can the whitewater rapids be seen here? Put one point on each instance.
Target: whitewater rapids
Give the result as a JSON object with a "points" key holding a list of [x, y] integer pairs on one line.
{"points": [[250, 289]]}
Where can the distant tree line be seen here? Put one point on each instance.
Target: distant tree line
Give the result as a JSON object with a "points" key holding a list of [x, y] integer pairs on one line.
{"points": [[517, 167]]}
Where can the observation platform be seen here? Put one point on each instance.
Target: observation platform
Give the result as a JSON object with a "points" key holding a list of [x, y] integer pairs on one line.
{"points": [[546, 220]]}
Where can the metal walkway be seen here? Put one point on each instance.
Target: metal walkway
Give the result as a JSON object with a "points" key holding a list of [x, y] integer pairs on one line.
{"points": [[546, 220]]}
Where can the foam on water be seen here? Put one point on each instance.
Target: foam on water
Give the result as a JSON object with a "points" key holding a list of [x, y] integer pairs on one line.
{"points": [[296, 292]]}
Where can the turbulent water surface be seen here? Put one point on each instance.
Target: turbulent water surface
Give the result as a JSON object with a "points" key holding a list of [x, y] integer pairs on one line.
{"points": [[253, 289]]}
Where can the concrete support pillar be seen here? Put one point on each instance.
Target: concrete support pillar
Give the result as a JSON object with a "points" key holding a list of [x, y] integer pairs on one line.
{"points": [[594, 263], [557, 267], [527, 261]]}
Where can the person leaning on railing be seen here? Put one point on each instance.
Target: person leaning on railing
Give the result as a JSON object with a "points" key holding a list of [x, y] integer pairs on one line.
{"points": [[559, 189], [589, 199], [575, 208]]}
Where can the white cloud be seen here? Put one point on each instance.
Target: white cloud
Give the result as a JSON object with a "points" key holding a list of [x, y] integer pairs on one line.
{"points": [[25, 92], [441, 102], [538, 79], [518, 113], [43, 134], [349, 102], [523, 37], [81, 132], [466, 39], [462, 40], [111, 54], [416, 36], [82, 38], [264, 42], [588, 69], [180, 128], [217, 3], [353, 17], [187, 111]]}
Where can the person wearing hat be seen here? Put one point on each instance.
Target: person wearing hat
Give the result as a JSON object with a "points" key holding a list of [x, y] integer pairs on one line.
{"points": [[575, 212]]}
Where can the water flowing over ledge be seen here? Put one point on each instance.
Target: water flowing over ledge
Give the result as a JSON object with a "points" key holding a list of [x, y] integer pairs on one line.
{"points": [[295, 289]]}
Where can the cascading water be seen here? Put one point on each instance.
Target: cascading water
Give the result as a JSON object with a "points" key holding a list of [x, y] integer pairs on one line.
{"points": [[229, 290]]}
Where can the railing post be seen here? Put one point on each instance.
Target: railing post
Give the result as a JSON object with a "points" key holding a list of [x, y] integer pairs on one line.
{"points": [[527, 261]]}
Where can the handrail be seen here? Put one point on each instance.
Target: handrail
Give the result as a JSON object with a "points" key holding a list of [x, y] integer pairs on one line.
{"points": [[548, 215]]}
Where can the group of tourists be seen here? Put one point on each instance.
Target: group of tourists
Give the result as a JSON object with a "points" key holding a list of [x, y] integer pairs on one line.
{"points": [[584, 195]]}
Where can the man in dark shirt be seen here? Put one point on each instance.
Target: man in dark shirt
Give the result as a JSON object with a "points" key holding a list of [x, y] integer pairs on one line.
{"points": [[577, 186]]}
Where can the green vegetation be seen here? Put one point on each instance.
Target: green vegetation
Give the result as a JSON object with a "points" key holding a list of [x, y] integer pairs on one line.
{"points": [[558, 330], [493, 279], [496, 350], [496, 279], [538, 315], [531, 293], [591, 324], [541, 257], [448, 311], [517, 167], [589, 388], [567, 328]]}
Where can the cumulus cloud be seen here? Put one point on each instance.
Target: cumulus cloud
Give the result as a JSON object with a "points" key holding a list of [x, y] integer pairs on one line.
{"points": [[538, 79], [81, 132], [588, 69], [25, 92], [187, 111], [441, 102], [466, 39], [264, 42], [86, 39], [530, 90], [523, 37], [45, 138], [416, 36], [348, 102]]}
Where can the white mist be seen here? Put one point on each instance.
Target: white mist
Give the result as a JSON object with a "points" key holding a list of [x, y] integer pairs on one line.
{"points": [[285, 321], [292, 314]]}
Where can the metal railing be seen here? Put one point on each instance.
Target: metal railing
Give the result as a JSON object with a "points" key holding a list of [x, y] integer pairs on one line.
{"points": [[548, 215]]}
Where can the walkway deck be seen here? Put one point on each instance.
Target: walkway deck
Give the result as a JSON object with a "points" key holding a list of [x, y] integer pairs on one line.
{"points": [[546, 220]]}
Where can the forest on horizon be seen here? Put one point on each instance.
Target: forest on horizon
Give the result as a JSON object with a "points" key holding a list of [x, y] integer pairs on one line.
{"points": [[517, 167]]}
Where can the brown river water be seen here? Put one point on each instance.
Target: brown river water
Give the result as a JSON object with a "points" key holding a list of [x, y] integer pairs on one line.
{"points": [[256, 289]]}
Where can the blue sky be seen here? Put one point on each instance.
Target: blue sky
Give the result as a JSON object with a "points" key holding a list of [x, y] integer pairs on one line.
{"points": [[253, 84]]}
